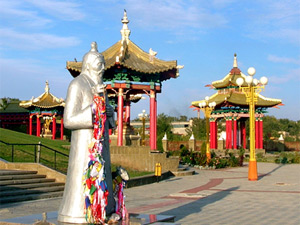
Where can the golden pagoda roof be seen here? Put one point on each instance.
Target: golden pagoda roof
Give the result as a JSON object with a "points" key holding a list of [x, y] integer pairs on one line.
{"points": [[238, 98], [134, 58], [127, 54], [231, 77], [45, 100]]}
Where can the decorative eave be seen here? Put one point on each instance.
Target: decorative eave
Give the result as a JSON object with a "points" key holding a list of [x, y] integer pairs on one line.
{"points": [[237, 98], [45, 100], [128, 55]]}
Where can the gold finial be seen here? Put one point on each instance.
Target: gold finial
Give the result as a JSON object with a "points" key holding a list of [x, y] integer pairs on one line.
{"points": [[47, 87], [235, 61], [125, 32]]}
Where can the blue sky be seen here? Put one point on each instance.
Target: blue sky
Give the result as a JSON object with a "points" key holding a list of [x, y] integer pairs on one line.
{"points": [[38, 37]]}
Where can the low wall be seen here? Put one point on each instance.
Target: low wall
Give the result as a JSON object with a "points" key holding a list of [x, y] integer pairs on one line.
{"points": [[141, 158], [175, 145]]}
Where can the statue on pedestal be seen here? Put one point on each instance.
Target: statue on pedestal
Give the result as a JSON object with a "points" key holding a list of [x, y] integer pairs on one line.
{"points": [[78, 117]]}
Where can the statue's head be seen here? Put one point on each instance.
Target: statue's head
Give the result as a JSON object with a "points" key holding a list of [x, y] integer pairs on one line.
{"points": [[93, 61]]}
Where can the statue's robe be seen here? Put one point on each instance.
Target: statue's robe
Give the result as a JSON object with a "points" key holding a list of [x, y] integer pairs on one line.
{"points": [[78, 118]]}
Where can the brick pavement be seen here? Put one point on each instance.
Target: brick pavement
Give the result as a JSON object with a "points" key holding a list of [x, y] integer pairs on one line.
{"points": [[209, 197]]}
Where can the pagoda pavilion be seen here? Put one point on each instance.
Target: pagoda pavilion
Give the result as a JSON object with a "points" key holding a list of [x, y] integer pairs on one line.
{"points": [[129, 73], [231, 105], [47, 108]]}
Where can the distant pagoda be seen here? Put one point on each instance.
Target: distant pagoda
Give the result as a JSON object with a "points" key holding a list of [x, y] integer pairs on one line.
{"points": [[130, 72], [232, 106], [46, 107]]}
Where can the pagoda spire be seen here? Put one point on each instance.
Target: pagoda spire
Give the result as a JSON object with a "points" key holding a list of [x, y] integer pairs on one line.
{"points": [[235, 61], [47, 87], [125, 32]]}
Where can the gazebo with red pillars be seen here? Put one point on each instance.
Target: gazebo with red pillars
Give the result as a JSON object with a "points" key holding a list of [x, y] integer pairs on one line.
{"points": [[231, 105], [129, 71], [46, 107]]}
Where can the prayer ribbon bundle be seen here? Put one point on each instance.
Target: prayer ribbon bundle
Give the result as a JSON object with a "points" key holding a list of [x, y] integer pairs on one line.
{"points": [[118, 185], [95, 188]]}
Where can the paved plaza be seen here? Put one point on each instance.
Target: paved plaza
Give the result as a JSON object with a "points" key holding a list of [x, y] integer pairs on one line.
{"points": [[209, 197]]}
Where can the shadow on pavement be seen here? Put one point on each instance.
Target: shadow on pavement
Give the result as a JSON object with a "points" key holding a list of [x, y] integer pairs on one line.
{"points": [[196, 206], [260, 177]]}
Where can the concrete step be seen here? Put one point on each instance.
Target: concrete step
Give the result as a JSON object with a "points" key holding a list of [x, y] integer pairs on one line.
{"points": [[183, 173], [16, 172], [38, 190], [19, 185], [20, 198], [25, 181], [23, 176], [29, 186], [183, 170]]}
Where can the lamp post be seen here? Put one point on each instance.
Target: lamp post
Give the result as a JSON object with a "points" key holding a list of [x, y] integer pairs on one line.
{"points": [[143, 117], [251, 91], [207, 108]]}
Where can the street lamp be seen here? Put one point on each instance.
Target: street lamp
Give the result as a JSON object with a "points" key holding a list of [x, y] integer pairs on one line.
{"points": [[254, 88], [143, 117], [207, 108]]}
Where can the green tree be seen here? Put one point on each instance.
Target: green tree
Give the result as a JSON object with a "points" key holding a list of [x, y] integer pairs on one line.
{"points": [[198, 128], [163, 126]]}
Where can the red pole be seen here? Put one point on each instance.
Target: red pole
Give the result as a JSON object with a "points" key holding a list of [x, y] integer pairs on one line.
{"points": [[226, 142], [53, 127], [211, 135], [230, 134], [256, 134], [120, 117], [216, 134], [30, 125], [243, 128], [127, 111], [234, 134], [61, 128], [261, 133], [38, 124], [152, 120]]}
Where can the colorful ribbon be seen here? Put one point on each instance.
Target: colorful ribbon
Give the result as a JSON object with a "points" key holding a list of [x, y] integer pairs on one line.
{"points": [[95, 188]]}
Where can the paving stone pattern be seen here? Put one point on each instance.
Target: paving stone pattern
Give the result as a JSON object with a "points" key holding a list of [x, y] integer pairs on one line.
{"points": [[208, 197]]}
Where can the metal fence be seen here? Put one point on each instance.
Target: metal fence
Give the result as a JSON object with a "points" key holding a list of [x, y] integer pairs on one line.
{"points": [[38, 153]]}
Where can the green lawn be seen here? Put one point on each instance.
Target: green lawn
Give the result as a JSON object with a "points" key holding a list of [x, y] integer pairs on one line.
{"points": [[27, 153]]}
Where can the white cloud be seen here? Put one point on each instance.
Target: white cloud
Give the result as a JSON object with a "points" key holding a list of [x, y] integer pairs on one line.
{"points": [[274, 58], [175, 15], [34, 41], [292, 75], [66, 10], [275, 19], [12, 13]]}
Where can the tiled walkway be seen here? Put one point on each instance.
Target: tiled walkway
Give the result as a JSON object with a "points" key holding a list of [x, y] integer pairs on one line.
{"points": [[209, 197]]}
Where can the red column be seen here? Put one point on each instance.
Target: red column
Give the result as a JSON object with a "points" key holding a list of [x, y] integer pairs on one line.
{"points": [[120, 117], [230, 134], [38, 126], [243, 130], [30, 125], [226, 142], [53, 127], [261, 129], [256, 134], [211, 131], [234, 133], [153, 120], [216, 135], [61, 129], [127, 111]]}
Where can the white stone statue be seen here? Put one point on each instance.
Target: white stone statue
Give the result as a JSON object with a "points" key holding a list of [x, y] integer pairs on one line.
{"points": [[78, 118]]}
